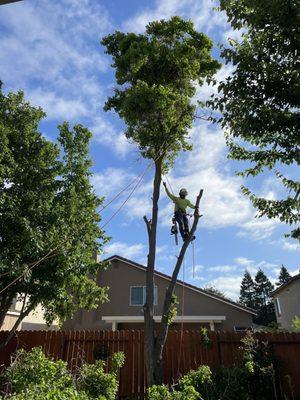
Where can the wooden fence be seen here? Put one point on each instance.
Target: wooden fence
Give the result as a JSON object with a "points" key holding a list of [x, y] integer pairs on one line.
{"points": [[77, 347]]}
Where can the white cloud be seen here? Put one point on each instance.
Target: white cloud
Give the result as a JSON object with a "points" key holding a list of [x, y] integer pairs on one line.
{"points": [[201, 13], [290, 246], [111, 181], [223, 268], [125, 250], [229, 285], [51, 50], [105, 134], [206, 167], [258, 228]]}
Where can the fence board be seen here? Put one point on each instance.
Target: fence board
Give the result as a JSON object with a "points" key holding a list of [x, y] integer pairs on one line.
{"points": [[77, 347]]}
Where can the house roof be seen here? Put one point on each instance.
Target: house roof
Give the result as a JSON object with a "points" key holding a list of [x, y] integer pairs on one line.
{"points": [[187, 285], [286, 284], [8, 1]]}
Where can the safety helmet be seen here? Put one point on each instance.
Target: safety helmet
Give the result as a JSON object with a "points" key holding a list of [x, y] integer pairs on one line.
{"points": [[183, 192]]}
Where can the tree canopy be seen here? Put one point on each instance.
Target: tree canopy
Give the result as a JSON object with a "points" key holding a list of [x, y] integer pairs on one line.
{"points": [[247, 291], [260, 101], [156, 73], [49, 231], [283, 277]]}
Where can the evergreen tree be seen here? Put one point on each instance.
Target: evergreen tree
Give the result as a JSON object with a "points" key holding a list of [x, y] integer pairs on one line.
{"points": [[247, 291], [283, 277], [263, 301]]}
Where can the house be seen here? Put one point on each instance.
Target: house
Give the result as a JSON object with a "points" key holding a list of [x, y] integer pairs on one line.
{"points": [[287, 301], [126, 282], [33, 321]]}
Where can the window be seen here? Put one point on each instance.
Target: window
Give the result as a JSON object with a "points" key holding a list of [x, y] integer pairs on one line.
{"points": [[138, 295], [277, 306]]}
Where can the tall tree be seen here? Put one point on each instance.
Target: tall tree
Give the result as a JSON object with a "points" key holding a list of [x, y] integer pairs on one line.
{"points": [[260, 101], [263, 301], [48, 216], [156, 73], [283, 277], [247, 291]]}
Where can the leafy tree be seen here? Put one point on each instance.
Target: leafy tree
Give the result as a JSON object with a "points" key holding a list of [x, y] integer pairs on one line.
{"points": [[263, 301], [260, 101], [49, 229], [156, 74], [283, 277], [247, 291]]}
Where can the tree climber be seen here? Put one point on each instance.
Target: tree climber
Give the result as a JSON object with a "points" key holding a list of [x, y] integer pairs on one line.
{"points": [[181, 203]]}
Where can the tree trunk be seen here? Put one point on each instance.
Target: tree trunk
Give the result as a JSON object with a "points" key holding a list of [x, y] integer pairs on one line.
{"points": [[5, 304], [149, 344], [164, 325], [22, 315]]}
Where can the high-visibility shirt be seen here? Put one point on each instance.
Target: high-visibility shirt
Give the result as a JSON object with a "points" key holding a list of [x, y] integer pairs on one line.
{"points": [[180, 204]]}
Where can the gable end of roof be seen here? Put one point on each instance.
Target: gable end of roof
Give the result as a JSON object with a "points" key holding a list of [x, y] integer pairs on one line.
{"points": [[188, 285]]}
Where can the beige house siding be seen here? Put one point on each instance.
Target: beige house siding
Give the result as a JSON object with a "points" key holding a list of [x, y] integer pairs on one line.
{"points": [[120, 276], [289, 303], [34, 321]]}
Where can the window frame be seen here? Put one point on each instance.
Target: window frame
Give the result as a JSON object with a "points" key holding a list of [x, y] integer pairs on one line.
{"points": [[278, 307], [144, 295]]}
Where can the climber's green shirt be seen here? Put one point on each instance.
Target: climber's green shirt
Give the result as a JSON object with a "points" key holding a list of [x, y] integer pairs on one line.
{"points": [[180, 204]]}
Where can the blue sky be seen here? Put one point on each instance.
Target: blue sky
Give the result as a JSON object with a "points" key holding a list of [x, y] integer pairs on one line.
{"points": [[51, 50]]}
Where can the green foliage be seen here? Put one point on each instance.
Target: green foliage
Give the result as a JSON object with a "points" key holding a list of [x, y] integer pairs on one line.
{"points": [[173, 309], [260, 101], [200, 379], [33, 376], [161, 392], [247, 291], [34, 369], [296, 324], [283, 277], [258, 360], [204, 338], [156, 73], [48, 213], [263, 301]]}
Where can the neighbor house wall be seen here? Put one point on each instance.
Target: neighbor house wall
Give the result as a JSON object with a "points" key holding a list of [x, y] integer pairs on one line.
{"points": [[120, 276], [289, 301]]}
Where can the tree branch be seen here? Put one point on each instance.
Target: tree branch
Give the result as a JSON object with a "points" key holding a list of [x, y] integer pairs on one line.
{"points": [[148, 225], [163, 330], [22, 315]]}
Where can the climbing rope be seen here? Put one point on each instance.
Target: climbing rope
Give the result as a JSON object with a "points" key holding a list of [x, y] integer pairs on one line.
{"points": [[51, 252]]}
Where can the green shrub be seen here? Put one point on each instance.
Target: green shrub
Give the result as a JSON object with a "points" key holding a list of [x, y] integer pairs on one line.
{"points": [[33, 368], [258, 362], [161, 392], [200, 379], [33, 376]]}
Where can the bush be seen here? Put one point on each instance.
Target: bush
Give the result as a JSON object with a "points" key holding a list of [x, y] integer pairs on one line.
{"points": [[96, 383], [201, 380], [33, 376], [162, 393]]}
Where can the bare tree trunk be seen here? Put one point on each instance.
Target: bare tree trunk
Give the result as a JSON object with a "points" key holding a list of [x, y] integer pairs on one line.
{"points": [[149, 343]]}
